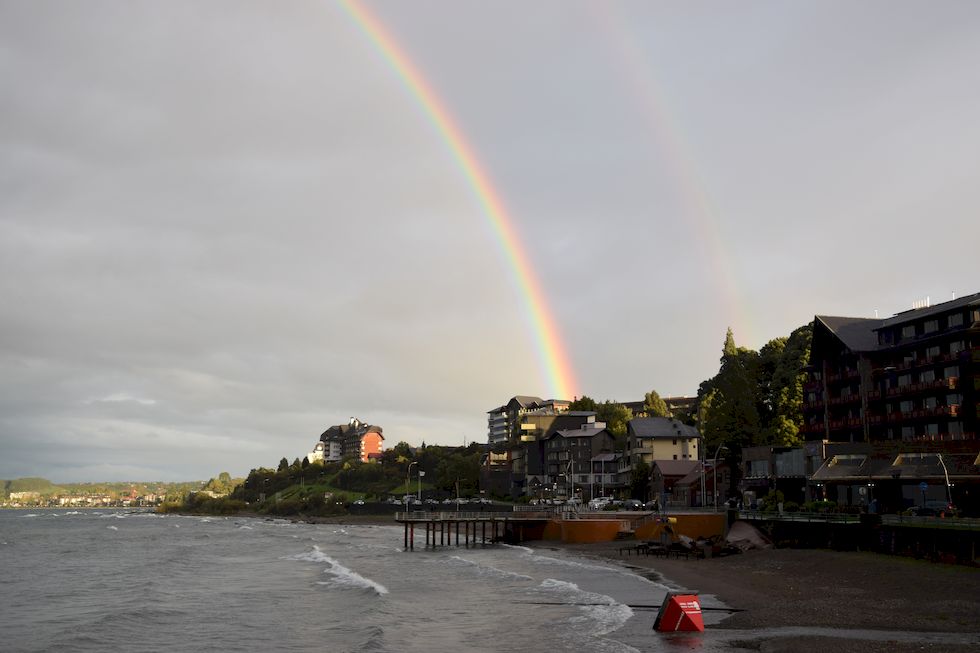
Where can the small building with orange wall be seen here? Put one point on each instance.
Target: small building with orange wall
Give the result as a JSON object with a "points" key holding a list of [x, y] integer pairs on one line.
{"points": [[372, 443]]}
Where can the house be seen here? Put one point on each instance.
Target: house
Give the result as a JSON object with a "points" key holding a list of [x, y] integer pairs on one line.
{"points": [[569, 454], [664, 474], [660, 438]]}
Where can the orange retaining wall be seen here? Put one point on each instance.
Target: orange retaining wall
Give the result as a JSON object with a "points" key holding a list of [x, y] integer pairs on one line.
{"points": [[606, 530]]}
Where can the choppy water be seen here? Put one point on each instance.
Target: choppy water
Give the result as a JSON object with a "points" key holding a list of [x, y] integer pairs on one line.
{"points": [[117, 581]]}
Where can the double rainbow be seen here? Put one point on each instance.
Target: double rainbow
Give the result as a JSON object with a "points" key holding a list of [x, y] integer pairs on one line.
{"points": [[552, 356]]}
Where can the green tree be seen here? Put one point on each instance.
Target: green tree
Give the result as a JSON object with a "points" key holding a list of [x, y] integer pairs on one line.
{"points": [[283, 465], [585, 403], [640, 481], [654, 405], [616, 416]]}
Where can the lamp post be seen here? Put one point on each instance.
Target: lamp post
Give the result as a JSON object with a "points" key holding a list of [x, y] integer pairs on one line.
{"points": [[949, 491], [408, 476], [714, 473], [421, 474]]}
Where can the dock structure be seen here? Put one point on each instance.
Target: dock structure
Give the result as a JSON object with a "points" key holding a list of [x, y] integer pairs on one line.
{"points": [[478, 528]]}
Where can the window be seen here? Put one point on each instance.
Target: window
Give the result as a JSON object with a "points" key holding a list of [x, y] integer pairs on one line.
{"points": [[956, 347], [675, 441], [932, 429], [908, 432], [905, 406], [931, 402], [932, 352], [930, 326], [954, 399], [928, 376], [908, 331], [954, 320], [975, 315], [904, 379], [951, 372], [675, 456], [955, 428], [845, 391]]}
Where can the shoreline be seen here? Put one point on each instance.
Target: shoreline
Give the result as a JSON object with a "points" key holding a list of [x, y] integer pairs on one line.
{"points": [[790, 600], [869, 595]]}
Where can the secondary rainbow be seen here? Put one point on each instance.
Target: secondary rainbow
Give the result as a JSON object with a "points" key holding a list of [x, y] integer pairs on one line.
{"points": [[552, 356]]}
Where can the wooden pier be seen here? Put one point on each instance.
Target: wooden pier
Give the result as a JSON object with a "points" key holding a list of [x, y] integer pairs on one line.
{"points": [[478, 528]]}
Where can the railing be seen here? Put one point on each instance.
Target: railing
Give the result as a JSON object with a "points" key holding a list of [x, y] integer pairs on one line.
{"points": [[447, 515], [822, 517], [958, 523]]}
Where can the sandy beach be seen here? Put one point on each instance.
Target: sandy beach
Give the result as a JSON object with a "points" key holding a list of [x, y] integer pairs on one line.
{"points": [[787, 588]]}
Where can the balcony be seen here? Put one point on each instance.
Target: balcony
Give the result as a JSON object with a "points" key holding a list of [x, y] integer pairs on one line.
{"points": [[922, 413], [939, 384], [847, 399]]}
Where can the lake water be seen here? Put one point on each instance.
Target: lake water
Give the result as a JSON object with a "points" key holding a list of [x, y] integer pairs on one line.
{"points": [[99, 580]]}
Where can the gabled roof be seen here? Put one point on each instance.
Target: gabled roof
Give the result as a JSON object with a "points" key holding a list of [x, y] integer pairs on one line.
{"points": [[525, 401], [660, 427], [858, 333]]}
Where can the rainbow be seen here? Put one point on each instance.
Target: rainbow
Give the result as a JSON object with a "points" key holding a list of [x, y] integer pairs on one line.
{"points": [[637, 73], [552, 355]]}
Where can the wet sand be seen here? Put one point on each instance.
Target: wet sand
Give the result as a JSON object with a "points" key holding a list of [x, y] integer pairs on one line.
{"points": [[787, 588]]}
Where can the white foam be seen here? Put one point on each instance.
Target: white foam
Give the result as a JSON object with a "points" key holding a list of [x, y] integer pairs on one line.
{"points": [[342, 575], [113, 528], [518, 547], [574, 563], [601, 614], [489, 570], [31, 515], [73, 512]]}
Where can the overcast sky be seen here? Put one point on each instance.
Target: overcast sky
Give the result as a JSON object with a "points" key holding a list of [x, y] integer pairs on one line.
{"points": [[226, 226]]}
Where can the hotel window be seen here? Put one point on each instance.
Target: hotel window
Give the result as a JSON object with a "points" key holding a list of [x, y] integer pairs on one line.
{"points": [[954, 399], [932, 429], [908, 359], [955, 428], [932, 352], [845, 391], [930, 326], [927, 376], [951, 372], [955, 320], [908, 432], [908, 331], [975, 316], [931, 402], [905, 406], [904, 379], [956, 347]]}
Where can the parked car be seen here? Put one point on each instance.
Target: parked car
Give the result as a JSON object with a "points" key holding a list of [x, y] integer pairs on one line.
{"points": [[633, 504]]}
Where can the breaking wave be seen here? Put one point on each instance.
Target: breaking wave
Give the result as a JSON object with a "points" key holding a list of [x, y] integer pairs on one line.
{"points": [[341, 574]]}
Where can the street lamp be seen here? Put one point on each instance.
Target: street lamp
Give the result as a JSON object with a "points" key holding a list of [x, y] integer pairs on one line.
{"points": [[949, 491], [408, 476], [421, 474], [714, 472]]}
